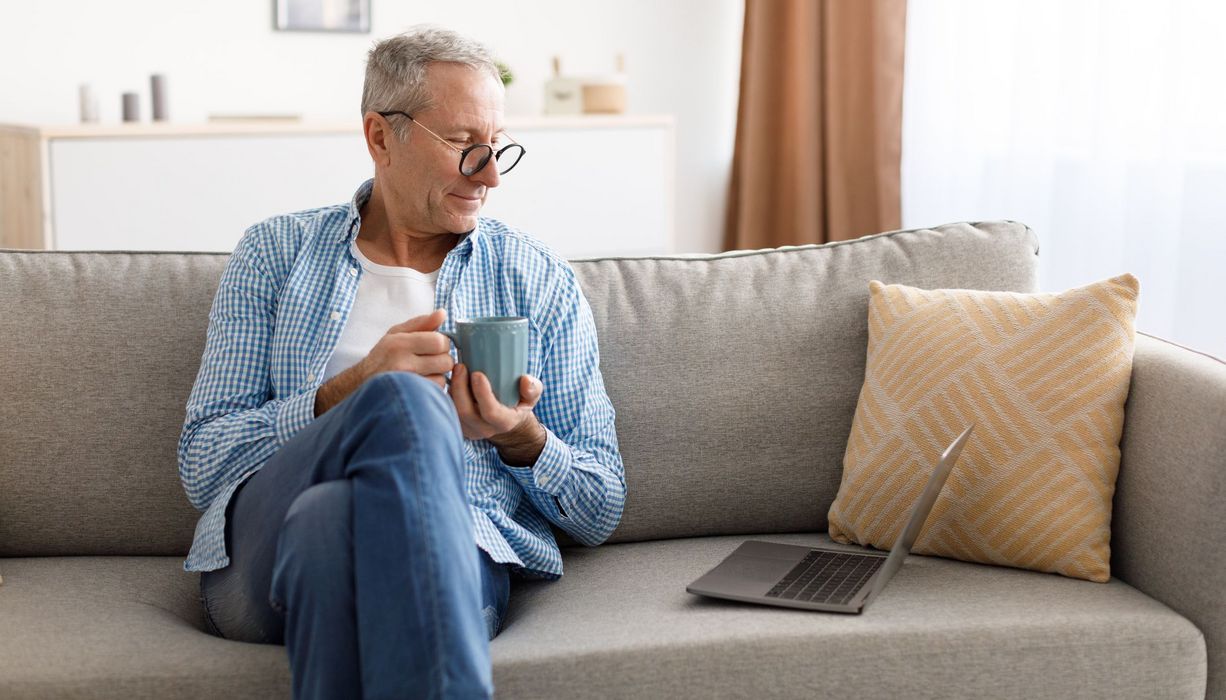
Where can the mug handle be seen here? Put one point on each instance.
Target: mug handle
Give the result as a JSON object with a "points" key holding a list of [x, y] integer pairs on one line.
{"points": [[455, 340]]}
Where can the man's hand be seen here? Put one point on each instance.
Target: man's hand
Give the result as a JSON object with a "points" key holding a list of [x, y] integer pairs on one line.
{"points": [[413, 346], [516, 432]]}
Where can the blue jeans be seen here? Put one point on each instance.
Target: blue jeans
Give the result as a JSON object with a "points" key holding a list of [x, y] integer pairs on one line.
{"points": [[354, 547]]}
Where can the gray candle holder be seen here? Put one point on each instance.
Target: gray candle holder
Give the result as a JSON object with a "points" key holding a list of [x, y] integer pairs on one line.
{"points": [[157, 94], [131, 107]]}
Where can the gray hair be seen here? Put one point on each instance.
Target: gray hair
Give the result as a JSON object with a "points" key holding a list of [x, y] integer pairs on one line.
{"points": [[396, 69]]}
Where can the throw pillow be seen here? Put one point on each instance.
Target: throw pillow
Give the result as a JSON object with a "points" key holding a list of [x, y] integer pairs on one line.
{"points": [[1043, 377]]}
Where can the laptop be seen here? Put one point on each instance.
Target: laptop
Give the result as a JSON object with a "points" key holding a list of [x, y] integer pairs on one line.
{"points": [[813, 578]]}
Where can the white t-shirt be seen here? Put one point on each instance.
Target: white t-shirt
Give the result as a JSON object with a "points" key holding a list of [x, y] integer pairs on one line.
{"points": [[386, 296]]}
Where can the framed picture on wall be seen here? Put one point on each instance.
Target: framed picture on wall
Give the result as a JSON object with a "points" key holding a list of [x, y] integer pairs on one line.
{"points": [[322, 15]]}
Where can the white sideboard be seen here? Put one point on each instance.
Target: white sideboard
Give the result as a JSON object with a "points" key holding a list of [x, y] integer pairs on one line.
{"points": [[587, 186]]}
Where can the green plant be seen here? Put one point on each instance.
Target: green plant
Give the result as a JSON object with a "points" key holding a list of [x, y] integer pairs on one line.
{"points": [[504, 72]]}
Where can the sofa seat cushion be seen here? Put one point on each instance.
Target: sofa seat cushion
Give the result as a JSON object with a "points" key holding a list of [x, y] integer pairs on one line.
{"points": [[620, 624], [121, 627]]}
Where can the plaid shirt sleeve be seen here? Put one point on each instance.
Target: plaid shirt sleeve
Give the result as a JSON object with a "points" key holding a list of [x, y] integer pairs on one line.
{"points": [[578, 482], [233, 423]]}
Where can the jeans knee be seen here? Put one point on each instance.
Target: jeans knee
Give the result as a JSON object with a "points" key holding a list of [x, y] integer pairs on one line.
{"points": [[409, 396], [403, 385]]}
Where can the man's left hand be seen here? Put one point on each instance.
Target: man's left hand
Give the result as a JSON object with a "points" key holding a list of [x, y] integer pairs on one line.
{"points": [[516, 432]]}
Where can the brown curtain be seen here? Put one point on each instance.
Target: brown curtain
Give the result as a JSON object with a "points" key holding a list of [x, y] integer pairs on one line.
{"points": [[818, 135]]}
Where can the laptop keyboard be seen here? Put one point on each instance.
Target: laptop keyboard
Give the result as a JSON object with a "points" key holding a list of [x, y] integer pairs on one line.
{"points": [[826, 577]]}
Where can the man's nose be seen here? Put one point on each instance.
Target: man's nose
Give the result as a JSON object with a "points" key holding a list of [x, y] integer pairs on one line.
{"points": [[488, 175]]}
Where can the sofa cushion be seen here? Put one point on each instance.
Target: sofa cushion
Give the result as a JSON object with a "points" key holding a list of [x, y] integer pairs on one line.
{"points": [[121, 627], [734, 378], [1042, 376], [100, 352], [620, 624]]}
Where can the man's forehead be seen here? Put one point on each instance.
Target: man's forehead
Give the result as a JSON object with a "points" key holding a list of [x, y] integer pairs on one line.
{"points": [[456, 121], [465, 97]]}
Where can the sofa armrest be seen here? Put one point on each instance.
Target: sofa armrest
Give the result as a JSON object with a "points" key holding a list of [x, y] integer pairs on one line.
{"points": [[1168, 534]]}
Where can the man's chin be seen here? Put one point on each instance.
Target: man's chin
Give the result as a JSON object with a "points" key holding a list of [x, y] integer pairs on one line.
{"points": [[461, 216], [463, 223]]}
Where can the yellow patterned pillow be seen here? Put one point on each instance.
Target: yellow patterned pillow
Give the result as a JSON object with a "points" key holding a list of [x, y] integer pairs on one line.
{"points": [[1044, 378]]}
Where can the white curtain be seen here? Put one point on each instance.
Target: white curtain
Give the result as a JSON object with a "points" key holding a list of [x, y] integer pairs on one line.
{"points": [[1102, 125]]}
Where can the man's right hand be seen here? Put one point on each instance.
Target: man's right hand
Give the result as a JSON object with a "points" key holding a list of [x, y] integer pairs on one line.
{"points": [[413, 346]]}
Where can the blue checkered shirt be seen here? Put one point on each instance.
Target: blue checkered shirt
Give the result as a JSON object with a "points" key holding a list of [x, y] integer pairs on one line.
{"points": [[283, 300]]}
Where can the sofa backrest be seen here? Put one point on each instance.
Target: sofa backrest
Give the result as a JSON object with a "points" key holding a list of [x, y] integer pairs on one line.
{"points": [[99, 352], [734, 377]]}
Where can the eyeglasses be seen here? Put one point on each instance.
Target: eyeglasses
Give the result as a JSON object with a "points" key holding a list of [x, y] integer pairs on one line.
{"points": [[506, 157]]}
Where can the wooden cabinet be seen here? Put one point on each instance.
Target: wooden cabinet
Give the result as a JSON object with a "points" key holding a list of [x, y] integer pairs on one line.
{"points": [[588, 186]]}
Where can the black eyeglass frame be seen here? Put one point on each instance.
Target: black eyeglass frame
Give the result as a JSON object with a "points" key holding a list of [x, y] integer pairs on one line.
{"points": [[489, 150]]}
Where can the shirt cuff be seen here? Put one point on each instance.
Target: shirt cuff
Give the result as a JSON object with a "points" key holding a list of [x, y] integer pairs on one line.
{"points": [[295, 414], [552, 468]]}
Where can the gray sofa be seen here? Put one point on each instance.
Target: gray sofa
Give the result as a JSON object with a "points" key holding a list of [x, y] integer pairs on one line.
{"points": [[735, 378]]}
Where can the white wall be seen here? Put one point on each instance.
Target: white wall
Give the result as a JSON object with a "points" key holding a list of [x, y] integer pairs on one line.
{"points": [[683, 57]]}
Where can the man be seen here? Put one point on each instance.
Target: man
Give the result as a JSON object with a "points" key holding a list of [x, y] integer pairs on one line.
{"points": [[358, 505]]}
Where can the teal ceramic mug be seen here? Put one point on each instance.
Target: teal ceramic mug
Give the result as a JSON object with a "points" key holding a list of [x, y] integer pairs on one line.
{"points": [[496, 346]]}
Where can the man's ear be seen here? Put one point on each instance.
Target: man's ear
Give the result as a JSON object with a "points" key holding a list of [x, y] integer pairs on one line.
{"points": [[378, 133]]}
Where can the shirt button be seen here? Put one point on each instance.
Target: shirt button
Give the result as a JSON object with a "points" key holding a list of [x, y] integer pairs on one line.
{"points": [[335, 315], [310, 377], [353, 272]]}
